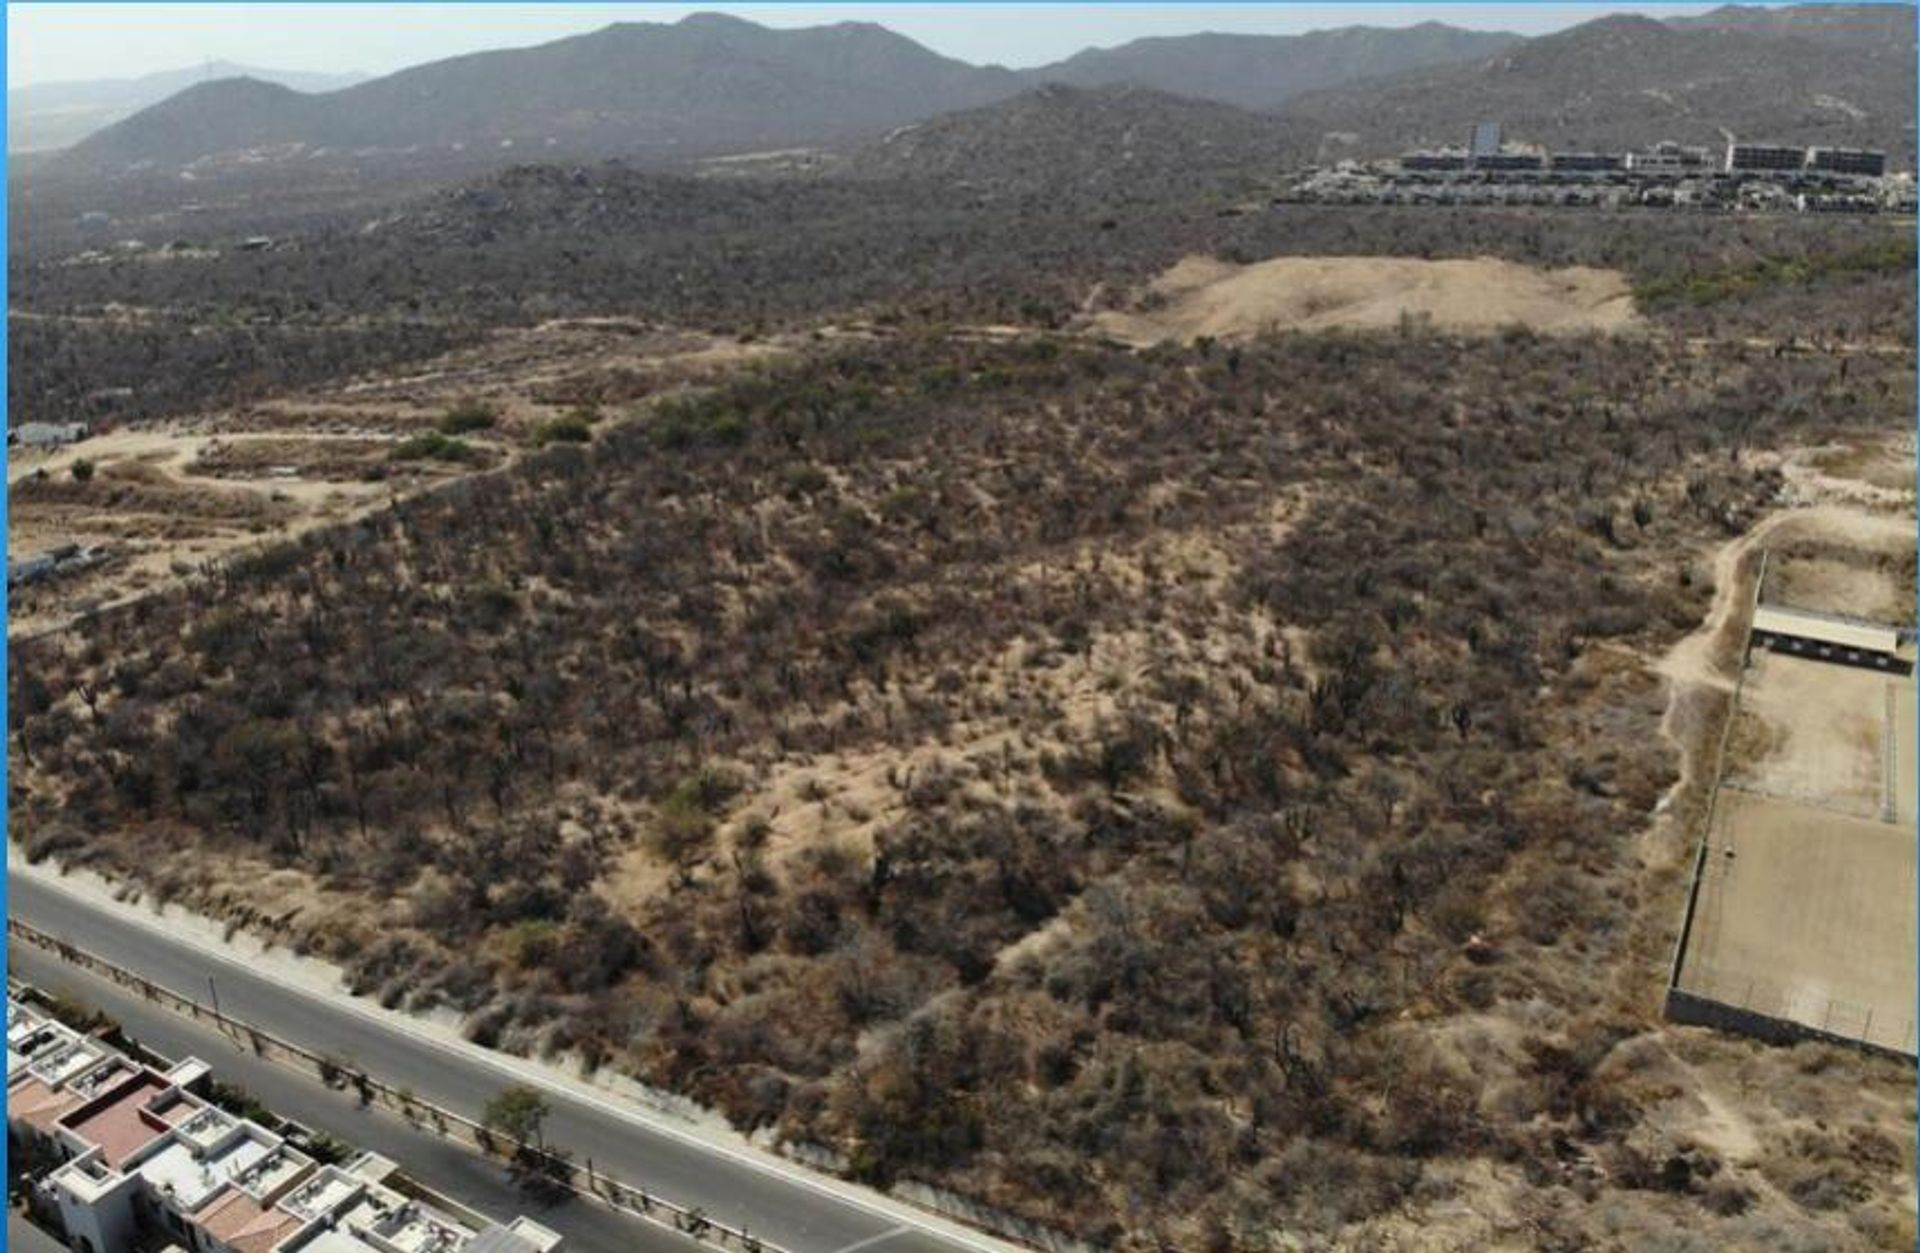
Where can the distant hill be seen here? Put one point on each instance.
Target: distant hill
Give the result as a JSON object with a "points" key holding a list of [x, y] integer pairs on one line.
{"points": [[1626, 80], [706, 84], [1885, 29], [1086, 137], [1263, 71], [44, 116], [712, 84]]}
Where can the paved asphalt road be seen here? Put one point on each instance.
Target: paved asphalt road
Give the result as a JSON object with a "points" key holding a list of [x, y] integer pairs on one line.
{"points": [[782, 1203], [442, 1165]]}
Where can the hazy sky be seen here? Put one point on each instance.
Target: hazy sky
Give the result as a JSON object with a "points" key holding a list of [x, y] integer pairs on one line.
{"points": [[51, 41]]}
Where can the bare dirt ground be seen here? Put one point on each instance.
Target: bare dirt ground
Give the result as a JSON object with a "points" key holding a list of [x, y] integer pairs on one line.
{"points": [[1821, 730], [1820, 584], [1889, 468], [165, 499], [1204, 297], [1807, 915], [1873, 475]]}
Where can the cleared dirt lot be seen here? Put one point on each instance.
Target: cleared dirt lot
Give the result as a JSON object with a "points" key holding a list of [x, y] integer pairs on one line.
{"points": [[1815, 732], [1204, 297], [1811, 919]]}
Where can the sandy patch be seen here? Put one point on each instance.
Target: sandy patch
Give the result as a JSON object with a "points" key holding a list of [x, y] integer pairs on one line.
{"points": [[1204, 297], [1823, 741]]}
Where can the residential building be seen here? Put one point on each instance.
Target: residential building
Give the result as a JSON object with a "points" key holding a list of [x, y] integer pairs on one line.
{"points": [[1856, 162], [1588, 162], [1669, 159], [1435, 159], [129, 1156], [1509, 161], [1764, 159]]}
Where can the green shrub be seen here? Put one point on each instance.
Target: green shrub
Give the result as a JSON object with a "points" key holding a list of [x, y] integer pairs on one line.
{"points": [[1735, 281], [532, 942], [431, 447], [567, 430], [465, 416]]}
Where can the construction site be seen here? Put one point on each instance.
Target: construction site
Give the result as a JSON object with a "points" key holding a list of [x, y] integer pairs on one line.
{"points": [[1800, 922]]}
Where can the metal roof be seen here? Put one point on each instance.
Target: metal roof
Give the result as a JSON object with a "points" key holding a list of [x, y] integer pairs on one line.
{"points": [[1826, 629]]}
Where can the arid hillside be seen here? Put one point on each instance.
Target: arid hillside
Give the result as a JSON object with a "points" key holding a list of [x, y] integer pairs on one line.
{"points": [[1190, 796], [1626, 80]]}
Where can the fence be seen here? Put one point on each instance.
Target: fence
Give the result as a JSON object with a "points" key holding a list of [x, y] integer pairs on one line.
{"points": [[1749, 1005], [1713, 790], [553, 1167]]}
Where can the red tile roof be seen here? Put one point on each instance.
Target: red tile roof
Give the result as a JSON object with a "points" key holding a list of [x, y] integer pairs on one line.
{"points": [[38, 1105], [237, 1221], [114, 1121]]}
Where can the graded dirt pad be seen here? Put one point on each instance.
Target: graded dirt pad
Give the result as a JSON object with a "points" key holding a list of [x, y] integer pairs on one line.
{"points": [[1822, 731], [1204, 297], [1811, 920], [1856, 588]]}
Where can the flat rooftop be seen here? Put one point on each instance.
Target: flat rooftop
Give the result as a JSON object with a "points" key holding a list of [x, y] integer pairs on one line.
{"points": [[61, 1061], [193, 1178], [88, 1177], [327, 1189], [1827, 628], [103, 1078], [205, 1127], [21, 1023], [382, 1221], [266, 1177], [330, 1240], [27, 1041]]}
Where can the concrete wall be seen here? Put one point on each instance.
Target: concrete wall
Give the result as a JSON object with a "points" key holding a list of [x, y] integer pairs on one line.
{"points": [[1698, 1011], [107, 1224]]}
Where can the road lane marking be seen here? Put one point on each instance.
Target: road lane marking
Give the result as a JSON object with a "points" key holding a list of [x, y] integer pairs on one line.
{"points": [[870, 1241]]}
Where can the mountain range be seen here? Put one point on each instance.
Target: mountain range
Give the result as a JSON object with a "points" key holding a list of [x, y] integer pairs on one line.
{"points": [[1885, 29], [1262, 72], [712, 84]]}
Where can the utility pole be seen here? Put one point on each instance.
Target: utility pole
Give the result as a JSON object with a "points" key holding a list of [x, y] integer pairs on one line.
{"points": [[215, 990]]}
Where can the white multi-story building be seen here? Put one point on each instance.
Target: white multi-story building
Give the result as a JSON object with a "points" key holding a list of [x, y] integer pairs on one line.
{"points": [[125, 1153]]}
